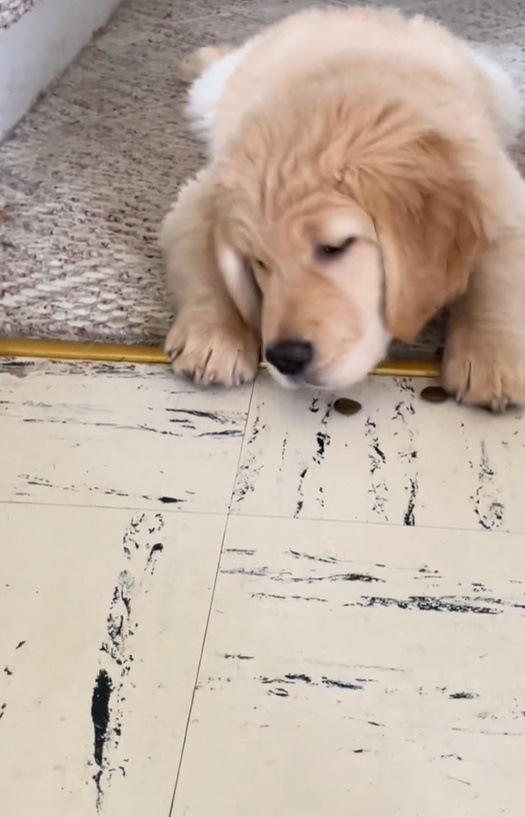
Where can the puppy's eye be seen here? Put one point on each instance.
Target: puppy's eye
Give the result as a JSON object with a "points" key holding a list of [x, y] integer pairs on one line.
{"points": [[326, 252]]}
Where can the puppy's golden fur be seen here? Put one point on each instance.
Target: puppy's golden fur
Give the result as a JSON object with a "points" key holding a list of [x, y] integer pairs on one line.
{"points": [[358, 182]]}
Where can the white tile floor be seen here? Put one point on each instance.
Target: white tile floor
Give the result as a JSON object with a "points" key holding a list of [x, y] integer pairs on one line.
{"points": [[241, 604]]}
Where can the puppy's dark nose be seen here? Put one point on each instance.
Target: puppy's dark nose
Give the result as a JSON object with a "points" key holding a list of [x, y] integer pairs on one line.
{"points": [[290, 357]]}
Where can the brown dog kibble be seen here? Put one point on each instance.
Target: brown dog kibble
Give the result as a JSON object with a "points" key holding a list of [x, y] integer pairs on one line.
{"points": [[434, 394], [346, 406]]}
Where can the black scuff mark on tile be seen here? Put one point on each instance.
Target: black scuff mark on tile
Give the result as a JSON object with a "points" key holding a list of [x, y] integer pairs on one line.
{"points": [[20, 644], [291, 679], [106, 491], [249, 470], [300, 492], [240, 551], [426, 573], [323, 440], [462, 696], [288, 678], [151, 562], [284, 446], [313, 558], [327, 414], [334, 577], [279, 692], [97, 490], [298, 676], [238, 656], [8, 671], [378, 489], [398, 414], [406, 385], [37, 481], [403, 412], [409, 518], [217, 435], [73, 421], [306, 598], [379, 456], [218, 682], [488, 507], [282, 597], [219, 417], [243, 571], [285, 577], [141, 547], [13, 366], [3, 708], [331, 683], [458, 780], [436, 604], [100, 716], [246, 478], [182, 422], [256, 429], [357, 577]]}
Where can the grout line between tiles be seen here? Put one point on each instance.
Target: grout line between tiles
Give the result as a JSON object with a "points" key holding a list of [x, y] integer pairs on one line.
{"points": [[261, 515], [210, 608], [397, 525]]}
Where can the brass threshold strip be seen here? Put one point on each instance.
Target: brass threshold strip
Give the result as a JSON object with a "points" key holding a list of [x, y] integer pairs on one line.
{"points": [[120, 353]]}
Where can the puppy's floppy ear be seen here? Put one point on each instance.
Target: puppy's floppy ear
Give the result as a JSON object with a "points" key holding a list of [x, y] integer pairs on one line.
{"points": [[238, 280], [427, 215]]}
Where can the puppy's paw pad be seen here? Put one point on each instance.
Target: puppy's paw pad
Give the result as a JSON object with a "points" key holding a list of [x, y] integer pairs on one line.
{"points": [[212, 355], [494, 381]]}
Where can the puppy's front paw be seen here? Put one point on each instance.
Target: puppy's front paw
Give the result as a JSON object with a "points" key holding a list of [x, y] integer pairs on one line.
{"points": [[485, 368], [211, 352]]}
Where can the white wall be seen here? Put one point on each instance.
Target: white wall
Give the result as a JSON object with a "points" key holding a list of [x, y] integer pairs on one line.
{"points": [[40, 46]]}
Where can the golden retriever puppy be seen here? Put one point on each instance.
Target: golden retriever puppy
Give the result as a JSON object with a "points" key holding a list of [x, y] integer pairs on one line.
{"points": [[358, 181]]}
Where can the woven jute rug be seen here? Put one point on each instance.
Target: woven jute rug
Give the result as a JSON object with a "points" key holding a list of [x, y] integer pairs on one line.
{"points": [[12, 10], [89, 173]]}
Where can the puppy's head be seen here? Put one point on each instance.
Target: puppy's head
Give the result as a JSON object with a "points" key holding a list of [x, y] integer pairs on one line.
{"points": [[342, 224]]}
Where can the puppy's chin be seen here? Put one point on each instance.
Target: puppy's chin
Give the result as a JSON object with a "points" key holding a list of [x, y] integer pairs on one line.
{"points": [[357, 363], [282, 379]]}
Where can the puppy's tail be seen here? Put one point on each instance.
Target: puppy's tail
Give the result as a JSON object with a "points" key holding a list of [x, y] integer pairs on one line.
{"points": [[197, 63]]}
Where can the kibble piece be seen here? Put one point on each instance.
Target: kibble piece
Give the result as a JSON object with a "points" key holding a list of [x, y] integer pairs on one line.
{"points": [[434, 394], [346, 406]]}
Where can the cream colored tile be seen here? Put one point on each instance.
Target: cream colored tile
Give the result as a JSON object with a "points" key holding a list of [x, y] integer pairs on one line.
{"points": [[128, 435], [103, 615], [358, 669], [400, 460]]}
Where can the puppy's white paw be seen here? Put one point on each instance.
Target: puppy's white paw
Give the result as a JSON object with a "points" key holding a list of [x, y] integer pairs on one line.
{"points": [[211, 352], [485, 368]]}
